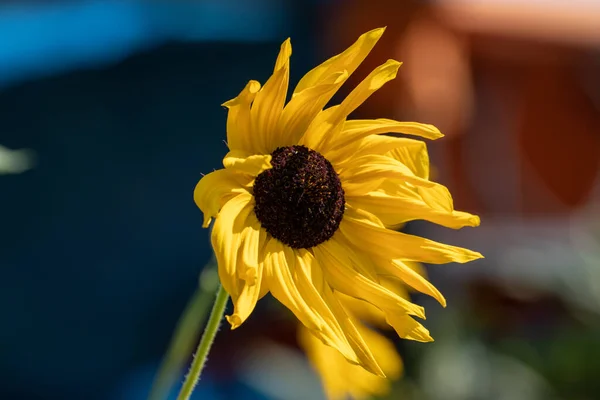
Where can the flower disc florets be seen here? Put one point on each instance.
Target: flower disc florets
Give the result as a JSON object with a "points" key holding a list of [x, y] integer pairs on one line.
{"points": [[300, 201]]}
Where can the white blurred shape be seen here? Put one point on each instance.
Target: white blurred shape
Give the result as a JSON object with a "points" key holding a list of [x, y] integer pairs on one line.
{"points": [[280, 373], [15, 161], [457, 370]]}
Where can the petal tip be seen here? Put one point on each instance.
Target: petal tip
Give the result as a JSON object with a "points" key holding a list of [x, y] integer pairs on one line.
{"points": [[391, 63], [253, 86], [373, 368], [286, 47], [234, 320], [391, 67], [420, 312], [283, 59], [469, 256], [436, 134], [423, 335], [376, 33]]}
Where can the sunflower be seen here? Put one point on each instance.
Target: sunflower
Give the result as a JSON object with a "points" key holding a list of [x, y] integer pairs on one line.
{"points": [[307, 200]]}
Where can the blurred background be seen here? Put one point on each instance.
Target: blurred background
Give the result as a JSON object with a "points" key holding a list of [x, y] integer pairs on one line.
{"points": [[110, 111]]}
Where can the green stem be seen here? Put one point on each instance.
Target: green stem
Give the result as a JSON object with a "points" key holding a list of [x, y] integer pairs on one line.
{"points": [[186, 334], [216, 315]]}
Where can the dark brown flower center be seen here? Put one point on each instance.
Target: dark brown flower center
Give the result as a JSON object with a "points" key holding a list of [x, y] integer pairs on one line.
{"points": [[300, 201]]}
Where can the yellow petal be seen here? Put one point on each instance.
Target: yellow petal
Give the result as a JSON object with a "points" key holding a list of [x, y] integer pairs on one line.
{"points": [[383, 350], [361, 262], [268, 103], [244, 304], [283, 58], [214, 190], [361, 350], [239, 134], [237, 161], [340, 272], [362, 310], [365, 356], [359, 228], [399, 269], [349, 60], [289, 282], [412, 153], [364, 174], [254, 239], [303, 108], [326, 122], [328, 363], [373, 82], [438, 198], [226, 239], [417, 267], [395, 285], [320, 136], [250, 270], [408, 328], [354, 130], [342, 379], [408, 204]]}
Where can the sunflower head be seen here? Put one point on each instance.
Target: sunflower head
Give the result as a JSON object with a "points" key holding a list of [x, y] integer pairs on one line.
{"points": [[307, 200]]}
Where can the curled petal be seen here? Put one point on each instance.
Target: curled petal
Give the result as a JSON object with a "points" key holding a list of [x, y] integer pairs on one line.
{"points": [[214, 190], [250, 271], [226, 239], [239, 134], [253, 165], [413, 154], [254, 239]]}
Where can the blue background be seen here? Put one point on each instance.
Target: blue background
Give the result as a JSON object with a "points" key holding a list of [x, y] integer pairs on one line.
{"points": [[101, 243]]}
